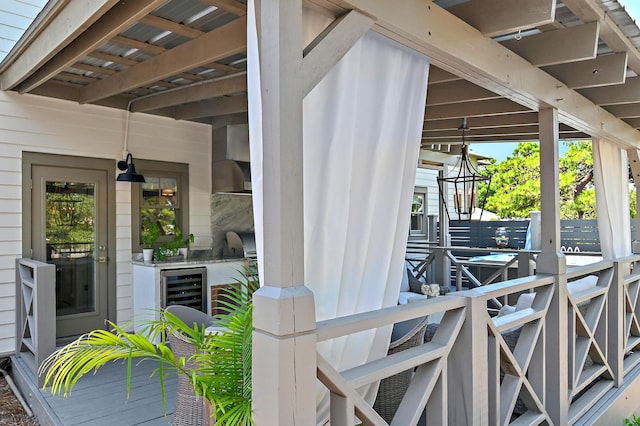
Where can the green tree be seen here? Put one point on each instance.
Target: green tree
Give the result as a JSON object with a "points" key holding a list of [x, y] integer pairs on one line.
{"points": [[577, 191], [515, 184]]}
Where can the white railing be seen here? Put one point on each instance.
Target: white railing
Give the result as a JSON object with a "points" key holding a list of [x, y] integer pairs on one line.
{"points": [[554, 362], [36, 312]]}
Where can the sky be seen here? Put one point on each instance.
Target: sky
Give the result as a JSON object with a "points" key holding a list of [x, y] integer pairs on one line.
{"points": [[500, 151]]}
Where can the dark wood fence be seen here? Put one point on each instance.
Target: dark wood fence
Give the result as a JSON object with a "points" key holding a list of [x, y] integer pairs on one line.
{"points": [[582, 234]]}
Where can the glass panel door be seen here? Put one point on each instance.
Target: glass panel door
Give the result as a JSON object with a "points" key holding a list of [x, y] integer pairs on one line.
{"points": [[70, 232]]}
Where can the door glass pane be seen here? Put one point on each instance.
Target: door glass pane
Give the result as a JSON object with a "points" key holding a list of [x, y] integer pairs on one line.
{"points": [[70, 238]]}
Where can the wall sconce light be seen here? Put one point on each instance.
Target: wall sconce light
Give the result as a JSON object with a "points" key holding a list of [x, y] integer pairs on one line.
{"points": [[130, 175]]}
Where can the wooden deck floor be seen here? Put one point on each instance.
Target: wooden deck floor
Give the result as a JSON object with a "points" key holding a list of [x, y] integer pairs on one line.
{"points": [[101, 399]]}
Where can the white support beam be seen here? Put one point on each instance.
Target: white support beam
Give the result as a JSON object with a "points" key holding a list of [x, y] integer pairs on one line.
{"points": [[193, 93], [331, 45], [473, 109], [72, 20], [489, 122], [210, 47], [550, 47], [550, 260], [284, 382], [604, 70], [497, 17], [457, 91], [212, 108], [429, 29]]}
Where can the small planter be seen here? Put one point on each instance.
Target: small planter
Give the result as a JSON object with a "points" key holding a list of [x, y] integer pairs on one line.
{"points": [[147, 255]]}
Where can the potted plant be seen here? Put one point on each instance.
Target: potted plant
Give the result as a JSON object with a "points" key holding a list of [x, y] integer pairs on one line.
{"points": [[172, 248], [222, 372], [149, 237]]}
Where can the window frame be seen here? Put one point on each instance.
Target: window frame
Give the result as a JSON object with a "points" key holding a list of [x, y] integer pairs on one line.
{"points": [[423, 233], [160, 169]]}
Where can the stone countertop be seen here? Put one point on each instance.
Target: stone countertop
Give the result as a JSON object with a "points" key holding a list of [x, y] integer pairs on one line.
{"points": [[137, 260]]}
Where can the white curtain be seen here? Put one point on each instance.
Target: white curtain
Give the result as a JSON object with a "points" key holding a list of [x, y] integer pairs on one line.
{"points": [[362, 131], [611, 178]]}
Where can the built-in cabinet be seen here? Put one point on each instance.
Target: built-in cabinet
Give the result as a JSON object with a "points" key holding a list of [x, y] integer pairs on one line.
{"points": [[191, 283]]}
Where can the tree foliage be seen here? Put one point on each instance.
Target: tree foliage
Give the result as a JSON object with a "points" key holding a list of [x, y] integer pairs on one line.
{"points": [[515, 185]]}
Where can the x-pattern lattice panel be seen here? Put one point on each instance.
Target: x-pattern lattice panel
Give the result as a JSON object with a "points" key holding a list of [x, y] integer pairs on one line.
{"points": [[428, 387], [590, 373], [516, 363]]}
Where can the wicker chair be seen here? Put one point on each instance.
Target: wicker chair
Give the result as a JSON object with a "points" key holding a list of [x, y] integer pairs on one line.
{"points": [[405, 335], [189, 407]]}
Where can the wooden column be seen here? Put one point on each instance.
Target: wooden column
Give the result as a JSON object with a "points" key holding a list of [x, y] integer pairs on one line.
{"points": [[284, 345], [551, 261]]}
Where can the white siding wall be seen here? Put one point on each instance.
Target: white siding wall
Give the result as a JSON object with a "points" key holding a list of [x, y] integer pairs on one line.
{"points": [[39, 124], [427, 178]]}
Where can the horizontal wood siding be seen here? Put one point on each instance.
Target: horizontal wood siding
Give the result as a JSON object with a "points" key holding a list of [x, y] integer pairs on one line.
{"points": [[427, 178], [39, 124]]}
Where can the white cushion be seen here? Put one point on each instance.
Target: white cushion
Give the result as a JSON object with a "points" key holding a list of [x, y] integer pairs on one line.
{"points": [[582, 284], [409, 296], [524, 301], [404, 284], [506, 310]]}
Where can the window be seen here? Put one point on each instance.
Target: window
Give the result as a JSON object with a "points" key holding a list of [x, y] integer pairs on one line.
{"points": [[419, 213], [163, 199]]}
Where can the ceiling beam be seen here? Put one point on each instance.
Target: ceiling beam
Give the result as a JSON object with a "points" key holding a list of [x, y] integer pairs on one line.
{"points": [[438, 75], [624, 110], [633, 122], [473, 109], [118, 18], [212, 108], [210, 47], [496, 131], [169, 25], [457, 91], [610, 33], [193, 93], [550, 47], [230, 6], [112, 58], [512, 137], [602, 71], [485, 122], [72, 20], [497, 17], [629, 92], [330, 46], [455, 46], [229, 119], [140, 45]]}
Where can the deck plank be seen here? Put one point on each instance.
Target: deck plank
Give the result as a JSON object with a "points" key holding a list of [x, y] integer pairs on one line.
{"points": [[101, 398]]}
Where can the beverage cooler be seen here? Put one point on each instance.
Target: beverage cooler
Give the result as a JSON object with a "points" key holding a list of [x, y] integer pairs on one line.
{"points": [[186, 287]]}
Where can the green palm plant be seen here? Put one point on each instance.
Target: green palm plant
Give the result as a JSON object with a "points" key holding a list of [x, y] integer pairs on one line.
{"points": [[223, 361]]}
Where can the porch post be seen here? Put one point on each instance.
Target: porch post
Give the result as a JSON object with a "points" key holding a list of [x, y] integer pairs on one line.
{"points": [[634, 162], [443, 267], [551, 261], [284, 344]]}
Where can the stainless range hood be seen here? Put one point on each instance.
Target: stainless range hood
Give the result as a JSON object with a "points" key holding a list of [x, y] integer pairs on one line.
{"points": [[230, 169]]}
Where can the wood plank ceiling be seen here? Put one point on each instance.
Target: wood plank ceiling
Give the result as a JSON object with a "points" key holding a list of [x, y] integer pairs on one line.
{"points": [[186, 59]]}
